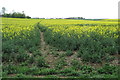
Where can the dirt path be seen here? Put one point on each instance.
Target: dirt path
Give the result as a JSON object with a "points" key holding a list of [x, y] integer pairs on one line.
{"points": [[44, 48], [50, 59]]}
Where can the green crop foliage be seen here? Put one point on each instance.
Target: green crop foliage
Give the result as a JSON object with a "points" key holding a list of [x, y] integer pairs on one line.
{"points": [[92, 39], [19, 32]]}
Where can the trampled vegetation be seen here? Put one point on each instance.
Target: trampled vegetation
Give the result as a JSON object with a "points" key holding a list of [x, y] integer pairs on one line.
{"points": [[60, 48]]}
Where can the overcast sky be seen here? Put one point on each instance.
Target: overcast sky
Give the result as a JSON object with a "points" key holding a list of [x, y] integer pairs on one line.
{"points": [[64, 8]]}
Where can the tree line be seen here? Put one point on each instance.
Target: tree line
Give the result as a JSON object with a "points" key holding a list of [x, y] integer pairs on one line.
{"points": [[14, 14]]}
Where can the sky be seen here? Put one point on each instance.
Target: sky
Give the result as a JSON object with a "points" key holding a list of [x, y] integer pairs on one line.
{"points": [[89, 9]]}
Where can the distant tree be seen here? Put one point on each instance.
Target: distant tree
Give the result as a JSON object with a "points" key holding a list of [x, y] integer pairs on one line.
{"points": [[28, 17], [3, 10], [23, 12], [7, 15], [80, 18], [13, 14], [75, 18], [18, 15]]}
